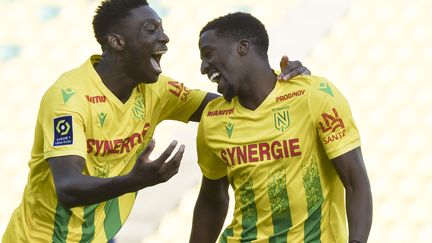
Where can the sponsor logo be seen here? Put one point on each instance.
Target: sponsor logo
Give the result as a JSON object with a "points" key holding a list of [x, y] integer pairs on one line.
{"points": [[96, 99], [139, 108], [334, 137], [332, 123], [221, 112], [101, 119], [263, 151], [67, 94], [281, 118], [63, 133], [290, 95], [326, 88], [229, 127], [116, 146], [179, 90]]}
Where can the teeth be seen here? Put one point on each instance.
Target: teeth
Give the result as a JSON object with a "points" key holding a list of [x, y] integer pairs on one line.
{"points": [[159, 52], [215, 77]]}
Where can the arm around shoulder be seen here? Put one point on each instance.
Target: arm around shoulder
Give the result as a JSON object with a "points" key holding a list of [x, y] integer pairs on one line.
{"points": [[196, 116]]}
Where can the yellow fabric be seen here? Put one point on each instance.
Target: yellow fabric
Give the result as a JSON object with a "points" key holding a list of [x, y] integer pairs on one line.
{"points": [[277, 159], [79, 116]]}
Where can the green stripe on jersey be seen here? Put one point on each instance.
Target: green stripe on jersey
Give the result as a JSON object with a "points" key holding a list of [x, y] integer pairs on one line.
{"points": [[314, 199], [112, 222], [228, 232], [279, 202], [61, 221], [248, 209], [88, 228], [312, 231]]}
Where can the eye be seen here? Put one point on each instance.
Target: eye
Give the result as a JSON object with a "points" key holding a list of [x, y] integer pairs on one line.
{"points": [[149, 28], [207, 54]]}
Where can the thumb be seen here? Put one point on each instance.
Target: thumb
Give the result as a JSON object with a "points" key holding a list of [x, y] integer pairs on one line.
{"points": [[147, 151], [283, 64]]}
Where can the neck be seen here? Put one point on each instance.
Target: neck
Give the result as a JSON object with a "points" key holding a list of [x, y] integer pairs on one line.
{"points": [[114, 77], [257, 86]]}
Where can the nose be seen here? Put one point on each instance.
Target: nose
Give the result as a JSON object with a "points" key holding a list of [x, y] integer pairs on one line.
{"points": [[204, 67], [163, 37]]}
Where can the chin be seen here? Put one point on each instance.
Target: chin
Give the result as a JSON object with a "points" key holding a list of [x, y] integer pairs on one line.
{"points": [[228, 99], [150, 80]]}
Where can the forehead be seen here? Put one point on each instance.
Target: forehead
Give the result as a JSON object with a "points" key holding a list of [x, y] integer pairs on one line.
{"points": [[144, 13], [210, 38]]}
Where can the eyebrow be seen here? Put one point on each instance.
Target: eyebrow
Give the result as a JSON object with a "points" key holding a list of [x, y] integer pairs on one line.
{"points": [[158, 21]]}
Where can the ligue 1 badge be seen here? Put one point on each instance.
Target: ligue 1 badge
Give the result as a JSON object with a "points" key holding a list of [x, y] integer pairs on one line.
{"points": [[63, 134]]}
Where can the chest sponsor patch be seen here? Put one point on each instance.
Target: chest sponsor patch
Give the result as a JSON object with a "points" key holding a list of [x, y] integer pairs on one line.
{"points": [[63, 134]]}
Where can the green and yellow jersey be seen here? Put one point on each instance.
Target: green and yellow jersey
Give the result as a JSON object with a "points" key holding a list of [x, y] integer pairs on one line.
{"points": [[79, 116], [277, 159]]}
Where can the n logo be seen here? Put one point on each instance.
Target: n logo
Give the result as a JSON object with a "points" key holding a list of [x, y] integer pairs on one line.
{"points": [[67, 94], [139, 108], [281, 118], [101, 118], [331, 121], [229, 127]]}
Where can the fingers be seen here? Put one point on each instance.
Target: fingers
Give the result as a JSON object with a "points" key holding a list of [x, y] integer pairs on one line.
{"points": [[293, 69], [306, 71], [283, 64], [167, 153], [147, 151], [171, 167]]}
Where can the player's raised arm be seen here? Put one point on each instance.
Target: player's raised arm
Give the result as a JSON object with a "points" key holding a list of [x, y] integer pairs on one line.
{"points": [[75, 189]]}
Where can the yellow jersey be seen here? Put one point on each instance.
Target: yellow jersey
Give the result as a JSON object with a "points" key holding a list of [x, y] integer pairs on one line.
{"points": [[79, 115], [277, 159]]}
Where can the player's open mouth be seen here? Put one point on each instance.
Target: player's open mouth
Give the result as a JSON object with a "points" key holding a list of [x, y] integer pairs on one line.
{"points": [[215, 77], [155, 60]]}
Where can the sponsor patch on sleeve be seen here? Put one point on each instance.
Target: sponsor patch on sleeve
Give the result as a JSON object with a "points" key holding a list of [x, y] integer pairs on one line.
{"points": [[63, 134]]}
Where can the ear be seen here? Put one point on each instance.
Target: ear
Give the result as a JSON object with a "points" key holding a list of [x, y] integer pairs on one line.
{"points": [[116, 41], [243, 47]]}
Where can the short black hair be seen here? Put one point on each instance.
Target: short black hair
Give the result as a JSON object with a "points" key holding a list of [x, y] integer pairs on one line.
{"points": [[240, 25], [111, 12]]}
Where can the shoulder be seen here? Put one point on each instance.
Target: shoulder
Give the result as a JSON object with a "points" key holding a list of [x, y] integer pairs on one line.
{"points": [[68, 90], [217, 107], [161, 86]]}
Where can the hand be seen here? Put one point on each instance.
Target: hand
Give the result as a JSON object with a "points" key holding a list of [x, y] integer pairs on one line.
{"points": [[291, 69], [148, 173]]}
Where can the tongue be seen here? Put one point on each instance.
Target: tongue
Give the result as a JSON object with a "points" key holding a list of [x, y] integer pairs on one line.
{"points": [[155, 65]]}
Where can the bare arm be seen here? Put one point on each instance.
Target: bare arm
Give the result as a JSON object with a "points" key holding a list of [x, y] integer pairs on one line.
{"points": [[75, 189], [210, 210], [196, 116], [352, 172]]}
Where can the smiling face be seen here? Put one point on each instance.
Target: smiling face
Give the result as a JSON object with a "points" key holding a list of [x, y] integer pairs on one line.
{"points": [[221, 63], [144, 44]]}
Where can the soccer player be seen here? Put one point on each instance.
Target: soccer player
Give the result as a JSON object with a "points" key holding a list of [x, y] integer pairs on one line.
{"points": [[94, 128], [288, 149]]}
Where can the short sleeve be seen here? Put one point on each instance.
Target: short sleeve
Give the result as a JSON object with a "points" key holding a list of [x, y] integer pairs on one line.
{"points": [[62, 121], [333, 119], [180, 101], [212, 167]]}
